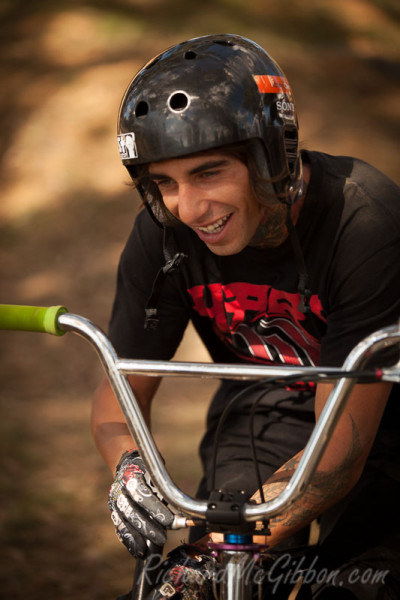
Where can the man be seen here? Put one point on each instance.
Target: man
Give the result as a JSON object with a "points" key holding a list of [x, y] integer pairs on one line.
{"points": [[277, 257]]}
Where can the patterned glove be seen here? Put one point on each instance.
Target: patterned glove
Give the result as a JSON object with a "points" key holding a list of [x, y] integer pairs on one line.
{"points": [[188, 573], [138, 511]]}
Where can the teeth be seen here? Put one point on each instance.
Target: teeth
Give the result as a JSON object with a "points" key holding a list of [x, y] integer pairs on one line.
{"points": [[214, 227]]}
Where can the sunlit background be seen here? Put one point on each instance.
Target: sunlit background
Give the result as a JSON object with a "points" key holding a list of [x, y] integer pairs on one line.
{"points": [[65, 212]]}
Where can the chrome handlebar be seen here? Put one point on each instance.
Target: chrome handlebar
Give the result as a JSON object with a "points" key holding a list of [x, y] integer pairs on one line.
{"points": [[117, 370]]}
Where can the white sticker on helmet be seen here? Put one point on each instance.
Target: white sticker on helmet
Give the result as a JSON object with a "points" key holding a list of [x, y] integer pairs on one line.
{"points": [[127, 145]]}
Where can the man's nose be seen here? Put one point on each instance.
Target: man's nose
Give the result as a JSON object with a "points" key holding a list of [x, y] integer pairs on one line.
{"points": [[191, 204]]}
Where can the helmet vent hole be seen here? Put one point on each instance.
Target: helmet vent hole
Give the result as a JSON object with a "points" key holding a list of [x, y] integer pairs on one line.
{"points": [[141, 109], [190, 55], [178, 101]]}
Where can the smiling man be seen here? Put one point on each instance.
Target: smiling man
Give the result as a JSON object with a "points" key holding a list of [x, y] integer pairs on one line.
{"points": [[277, 257]]}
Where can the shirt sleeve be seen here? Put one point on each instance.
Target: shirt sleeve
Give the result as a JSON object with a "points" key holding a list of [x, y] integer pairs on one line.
{"points": [[364, 281]]}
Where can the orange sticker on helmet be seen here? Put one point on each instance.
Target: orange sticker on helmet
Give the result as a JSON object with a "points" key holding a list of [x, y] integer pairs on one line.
{"points": [[272, 84]]}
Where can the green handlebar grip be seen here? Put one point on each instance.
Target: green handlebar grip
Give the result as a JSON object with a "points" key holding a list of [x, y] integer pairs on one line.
{"points": [[31, 318]]}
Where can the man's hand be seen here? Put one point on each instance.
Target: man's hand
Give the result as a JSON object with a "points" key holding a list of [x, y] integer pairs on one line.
{"points": [[137, 509]]}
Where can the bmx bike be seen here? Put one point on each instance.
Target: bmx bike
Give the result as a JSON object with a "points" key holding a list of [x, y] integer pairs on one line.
{"points": [[226, 511]]}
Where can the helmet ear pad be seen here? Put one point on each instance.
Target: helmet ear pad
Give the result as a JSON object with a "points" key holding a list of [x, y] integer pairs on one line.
{"points": [[284, 187], [263, 183], [279, 154]]}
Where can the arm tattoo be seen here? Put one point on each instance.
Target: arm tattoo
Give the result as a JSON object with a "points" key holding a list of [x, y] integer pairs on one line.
{"points": [[325, 487]]}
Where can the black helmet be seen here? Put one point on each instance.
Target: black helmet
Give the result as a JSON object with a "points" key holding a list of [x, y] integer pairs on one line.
{"points": [[206, 93]]}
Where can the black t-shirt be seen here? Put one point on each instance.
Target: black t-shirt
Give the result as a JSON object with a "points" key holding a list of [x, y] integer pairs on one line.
{"points": [[245, 306]]}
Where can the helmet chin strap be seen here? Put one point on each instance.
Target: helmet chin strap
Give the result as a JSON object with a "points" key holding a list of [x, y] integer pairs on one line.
{"points": [[295, 193], [303, 285], [173, 261]]}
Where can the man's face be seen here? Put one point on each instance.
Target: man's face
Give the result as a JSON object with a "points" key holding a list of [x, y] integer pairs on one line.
{"points": [[212, 195]]}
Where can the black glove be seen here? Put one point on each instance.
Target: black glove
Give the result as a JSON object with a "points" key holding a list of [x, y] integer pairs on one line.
{"points": [[137, 508]]}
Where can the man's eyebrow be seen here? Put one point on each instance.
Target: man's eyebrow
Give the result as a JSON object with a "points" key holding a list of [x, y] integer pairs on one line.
{"points": [[210, 164]]}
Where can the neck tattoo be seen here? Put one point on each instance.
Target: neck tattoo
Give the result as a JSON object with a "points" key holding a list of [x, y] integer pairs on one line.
{"points": [[272, 232]]}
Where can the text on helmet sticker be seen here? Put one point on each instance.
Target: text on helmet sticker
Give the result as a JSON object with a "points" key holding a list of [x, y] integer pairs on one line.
{"points": [[272, 84], [285, 108], [127, 145]]}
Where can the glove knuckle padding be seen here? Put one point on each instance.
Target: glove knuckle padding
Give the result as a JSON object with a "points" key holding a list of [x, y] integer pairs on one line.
{"points": [[137, 510]]}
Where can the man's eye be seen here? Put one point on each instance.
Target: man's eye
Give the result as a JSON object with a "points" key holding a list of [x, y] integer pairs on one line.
{"points": [[207, 174], [163, 183]]}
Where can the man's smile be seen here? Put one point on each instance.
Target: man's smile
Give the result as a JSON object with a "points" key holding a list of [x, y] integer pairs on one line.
{"points": [[215, 227]]}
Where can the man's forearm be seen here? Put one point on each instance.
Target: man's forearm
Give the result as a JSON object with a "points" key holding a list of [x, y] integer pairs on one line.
{"points": [[109, 428], [325, 489]]}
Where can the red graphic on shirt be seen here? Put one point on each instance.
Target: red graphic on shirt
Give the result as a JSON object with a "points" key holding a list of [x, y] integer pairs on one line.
{"points": [[259, 322]]}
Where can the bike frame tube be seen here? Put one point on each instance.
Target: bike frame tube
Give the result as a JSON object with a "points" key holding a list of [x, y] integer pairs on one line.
{"points": [[117, 370]]}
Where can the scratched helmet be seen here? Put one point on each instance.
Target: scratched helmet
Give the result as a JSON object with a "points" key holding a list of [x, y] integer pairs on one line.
{"points": [[207, 93]]}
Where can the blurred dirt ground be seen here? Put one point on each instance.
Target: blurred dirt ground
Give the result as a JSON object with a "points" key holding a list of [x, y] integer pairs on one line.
{"points": [[65, 212]]}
